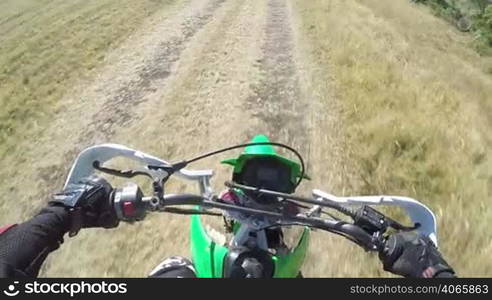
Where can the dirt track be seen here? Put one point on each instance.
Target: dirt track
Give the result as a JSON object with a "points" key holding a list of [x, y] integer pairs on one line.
{"points": [[201, 75]]}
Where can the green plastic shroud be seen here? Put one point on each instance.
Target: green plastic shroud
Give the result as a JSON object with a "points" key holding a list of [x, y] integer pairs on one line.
{"points": [[208, 256]]}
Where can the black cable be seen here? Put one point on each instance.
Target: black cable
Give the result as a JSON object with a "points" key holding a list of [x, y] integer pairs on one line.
{"points": [[181, 211], [184, 163], [325, 202], [284, 224], [296, 204], [348, 237], [331, 216]]}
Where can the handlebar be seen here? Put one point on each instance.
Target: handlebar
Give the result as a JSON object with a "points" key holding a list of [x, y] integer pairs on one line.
{"points": [[131, 206]]}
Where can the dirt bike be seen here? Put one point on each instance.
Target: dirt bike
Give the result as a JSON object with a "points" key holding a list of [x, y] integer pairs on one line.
{"points": [[253, 251]]}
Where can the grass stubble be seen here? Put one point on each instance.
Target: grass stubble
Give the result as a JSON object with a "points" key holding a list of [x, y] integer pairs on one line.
{"points": [[416, 109]]}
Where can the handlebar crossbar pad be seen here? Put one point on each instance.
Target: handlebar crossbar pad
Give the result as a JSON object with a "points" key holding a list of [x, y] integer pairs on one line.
{"points": [[182, 199]]}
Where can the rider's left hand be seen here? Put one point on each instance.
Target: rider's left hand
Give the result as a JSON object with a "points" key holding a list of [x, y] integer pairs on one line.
{"points": [[24, 247], [89, 203]]}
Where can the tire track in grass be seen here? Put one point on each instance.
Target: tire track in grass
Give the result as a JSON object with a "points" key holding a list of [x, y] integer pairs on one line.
{"points": [[192, 98], [277, 100], [119, 110]]}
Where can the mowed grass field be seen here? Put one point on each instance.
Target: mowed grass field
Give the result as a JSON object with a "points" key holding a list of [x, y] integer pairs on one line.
{"points": [[415, 107], [46, 46], [417, 114]]}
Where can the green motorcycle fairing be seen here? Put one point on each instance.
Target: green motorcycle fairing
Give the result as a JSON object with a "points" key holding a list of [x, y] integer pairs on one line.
{"points": [[208, 256]]}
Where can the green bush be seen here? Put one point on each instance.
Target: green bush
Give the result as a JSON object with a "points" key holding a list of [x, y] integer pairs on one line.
{"points": [[443, 9], [479, 12], [482, 28]]}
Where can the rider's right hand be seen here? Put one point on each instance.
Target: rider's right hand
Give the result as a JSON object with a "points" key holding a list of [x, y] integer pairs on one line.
{"points": [[411, 254]]}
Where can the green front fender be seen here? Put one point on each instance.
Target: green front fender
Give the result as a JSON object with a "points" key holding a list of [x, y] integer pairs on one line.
{"points": [[208, 257], [289, 265]]}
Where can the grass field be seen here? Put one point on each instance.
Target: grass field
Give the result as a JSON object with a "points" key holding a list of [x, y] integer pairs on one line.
{"points": [[417, 113], [410, 97], [48, 45]]}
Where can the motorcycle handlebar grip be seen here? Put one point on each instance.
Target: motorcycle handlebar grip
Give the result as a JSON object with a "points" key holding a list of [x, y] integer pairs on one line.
{"points": [[182, 199], [391, 250], [358, 235]]}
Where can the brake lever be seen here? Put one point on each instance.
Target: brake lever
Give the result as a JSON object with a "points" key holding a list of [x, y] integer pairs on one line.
{"points": [[158, 174]]}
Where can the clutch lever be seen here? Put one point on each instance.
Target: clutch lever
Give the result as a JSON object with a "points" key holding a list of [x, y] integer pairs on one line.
{"points": [[159, 176], [121, 173]]}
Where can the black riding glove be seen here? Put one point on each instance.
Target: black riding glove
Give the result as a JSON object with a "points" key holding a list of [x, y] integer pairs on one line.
{"points": [[89, 203], [410, 254], [24, 247]]}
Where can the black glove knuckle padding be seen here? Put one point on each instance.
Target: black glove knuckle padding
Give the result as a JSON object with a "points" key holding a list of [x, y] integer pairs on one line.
{"points": [[89, 202], [410, 254]]}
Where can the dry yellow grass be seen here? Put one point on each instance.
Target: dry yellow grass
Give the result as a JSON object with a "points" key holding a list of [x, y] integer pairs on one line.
{"points": [[417, 113], [45, 46], [186, 124], [415, 106]]}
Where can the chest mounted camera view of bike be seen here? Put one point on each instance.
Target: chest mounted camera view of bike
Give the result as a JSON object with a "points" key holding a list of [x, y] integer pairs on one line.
{"points": [[258, 203]]}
